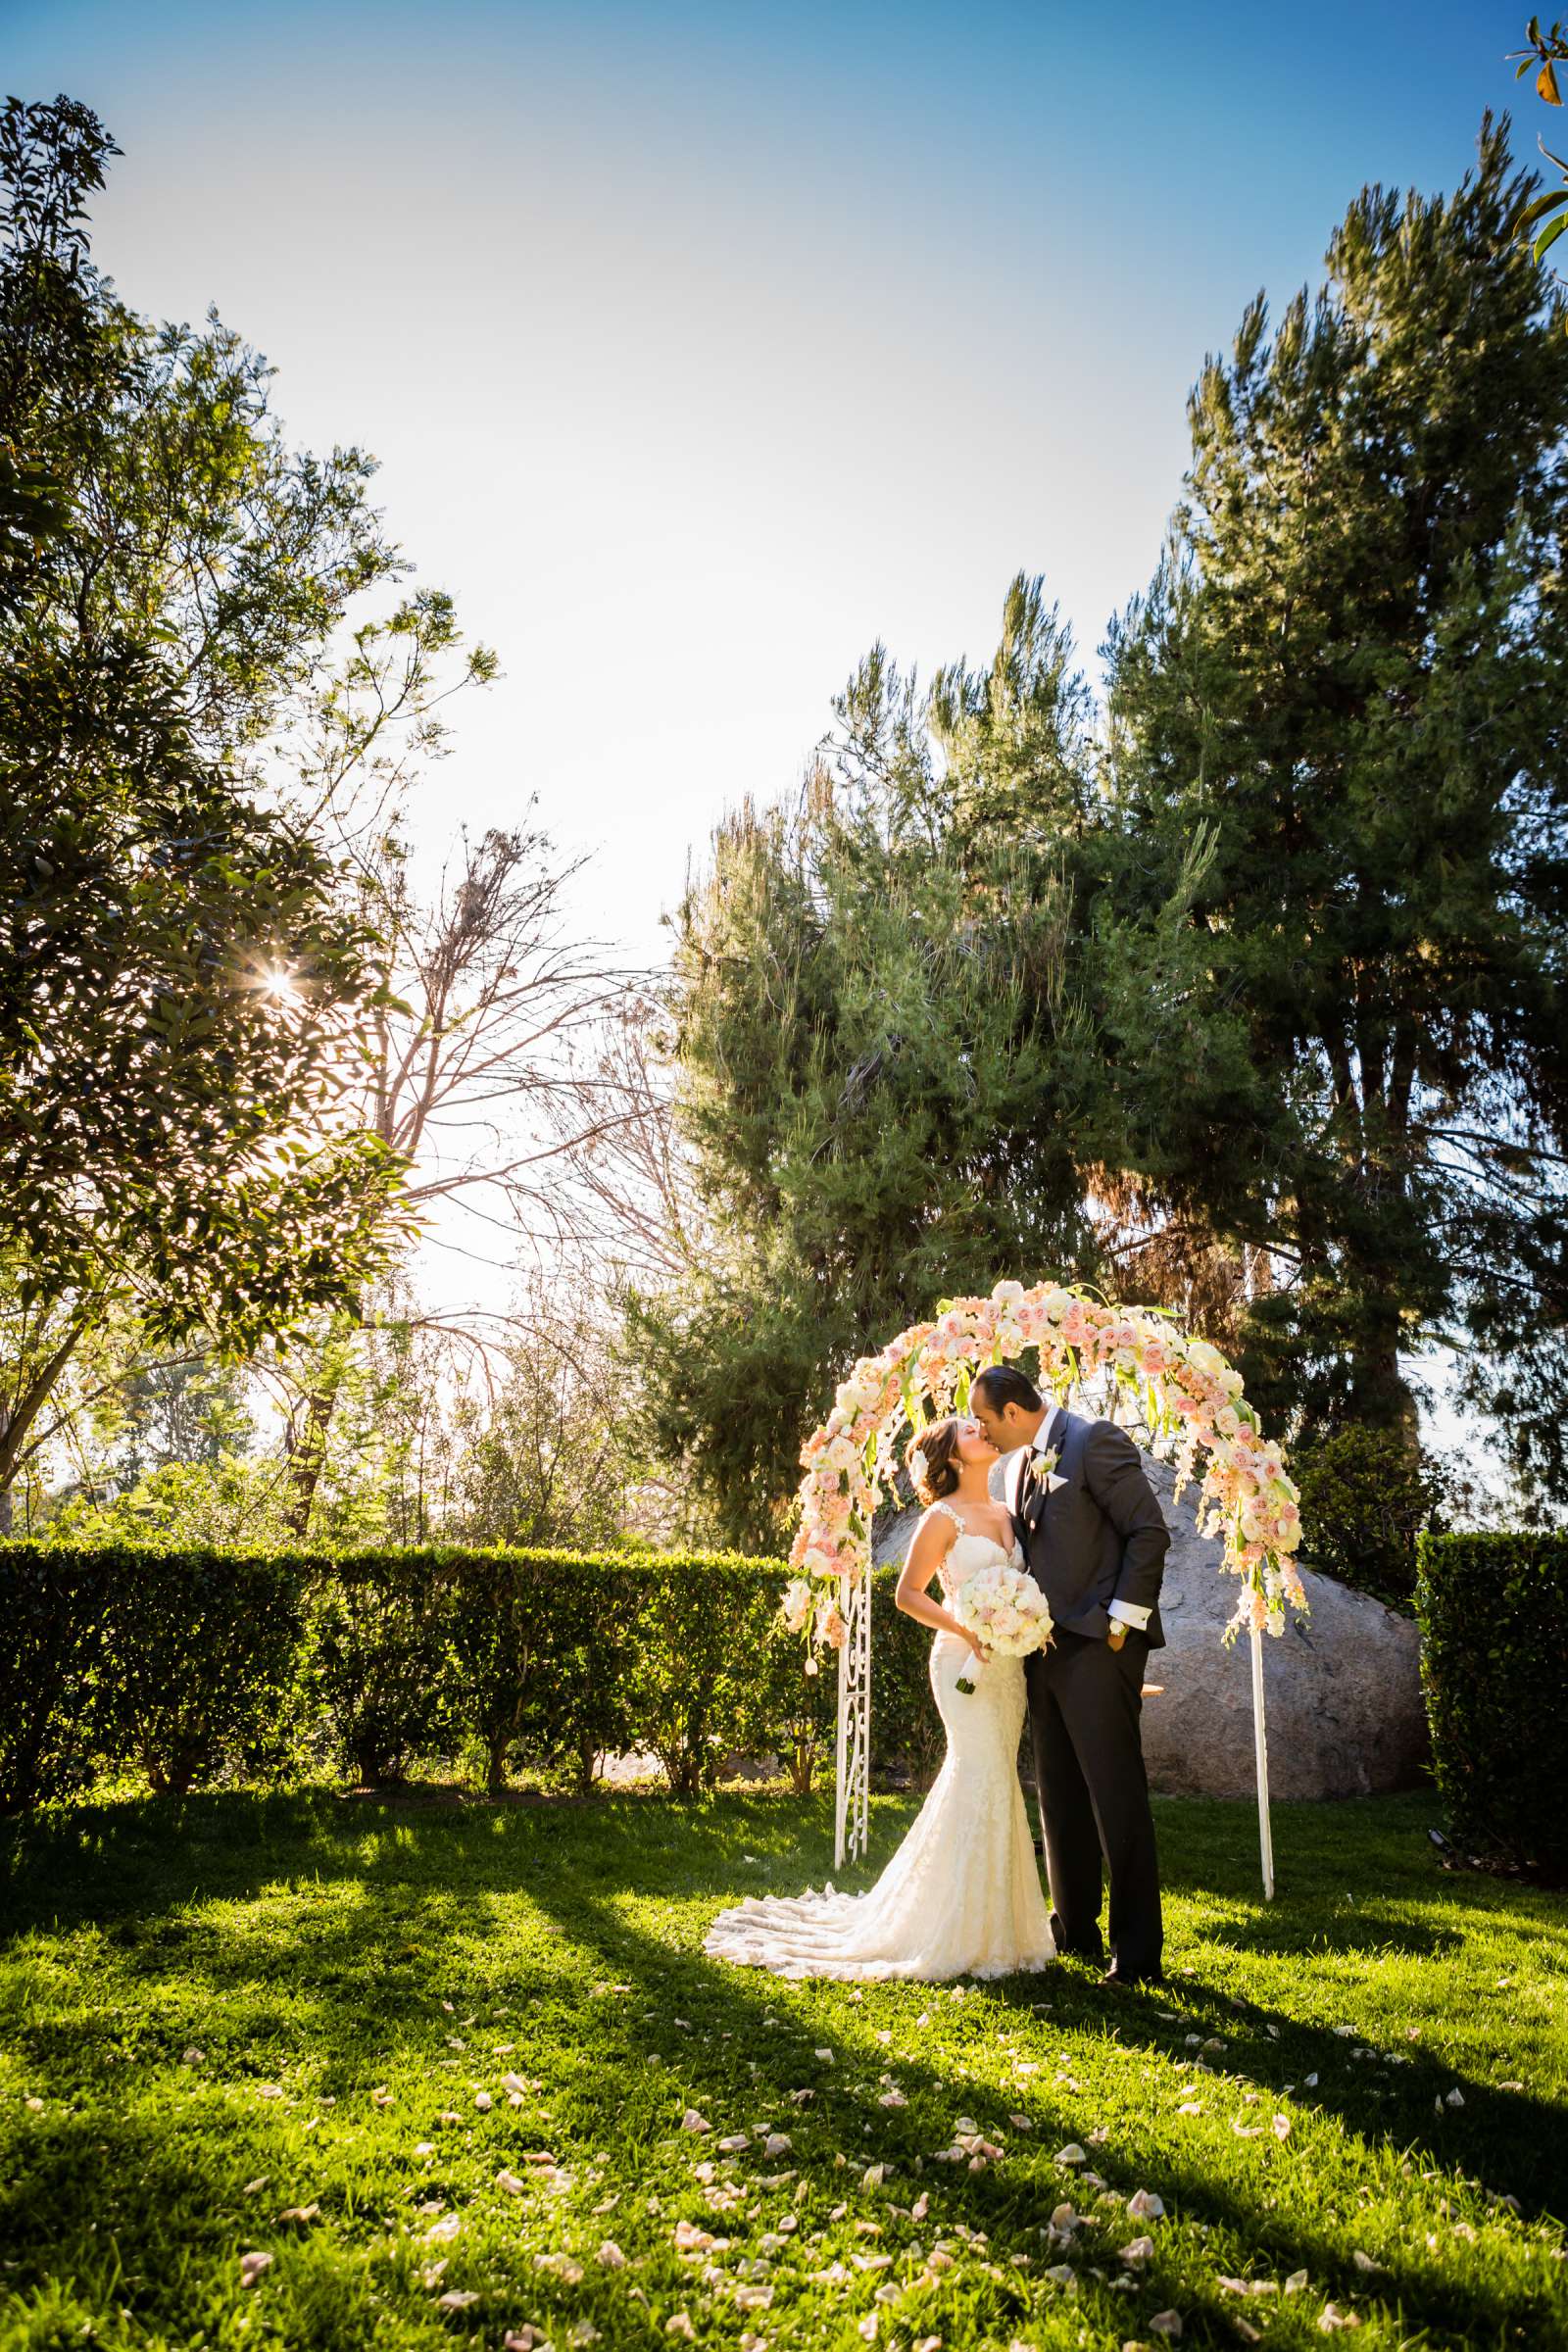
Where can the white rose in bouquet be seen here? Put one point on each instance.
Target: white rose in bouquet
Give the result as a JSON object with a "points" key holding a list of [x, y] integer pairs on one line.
{"points": [[1006, 1610]]}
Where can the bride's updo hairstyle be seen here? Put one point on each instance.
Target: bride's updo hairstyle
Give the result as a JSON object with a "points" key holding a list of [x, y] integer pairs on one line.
{"points": [[933, 1460]]}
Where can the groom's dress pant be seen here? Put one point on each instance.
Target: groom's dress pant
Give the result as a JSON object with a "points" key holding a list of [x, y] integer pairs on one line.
{"points": [[1085, 1703]]}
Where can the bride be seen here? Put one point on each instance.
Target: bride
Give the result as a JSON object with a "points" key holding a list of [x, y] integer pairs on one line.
{"points": [[961, 1895]]}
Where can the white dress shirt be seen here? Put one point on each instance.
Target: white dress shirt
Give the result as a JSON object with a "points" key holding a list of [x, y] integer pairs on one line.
{"points": [[1044, 1442]]}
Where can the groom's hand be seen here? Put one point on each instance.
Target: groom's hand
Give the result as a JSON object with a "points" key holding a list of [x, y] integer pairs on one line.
{"points": [[1117, 1633]]}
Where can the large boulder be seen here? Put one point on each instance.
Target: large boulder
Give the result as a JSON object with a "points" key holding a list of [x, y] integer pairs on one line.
{"points": [[1341, 1687]]}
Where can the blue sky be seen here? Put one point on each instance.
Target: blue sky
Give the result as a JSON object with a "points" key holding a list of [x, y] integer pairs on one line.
{"points": [[702, 346]]}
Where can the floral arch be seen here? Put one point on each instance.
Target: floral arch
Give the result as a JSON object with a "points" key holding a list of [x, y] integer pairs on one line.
{"points": [[1187, 1399]]}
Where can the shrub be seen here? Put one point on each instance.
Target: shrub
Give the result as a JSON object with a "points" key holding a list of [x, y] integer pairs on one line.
{"points": [[551, 1655], [204, 1648], [1366, 1500], [906, 1727], [798, 1708], [53, 1605], [697, 1685], [192, 1660], [183, 1661], [540, 1644], [1494, 1612], [380, 1658]]}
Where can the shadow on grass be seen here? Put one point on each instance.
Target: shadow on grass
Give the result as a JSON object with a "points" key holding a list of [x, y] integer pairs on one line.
{"points": [[992, 2200], [389, 1905]]}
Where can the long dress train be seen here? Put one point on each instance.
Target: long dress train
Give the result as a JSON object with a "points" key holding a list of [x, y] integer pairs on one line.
{"points": [[962, 1896]]}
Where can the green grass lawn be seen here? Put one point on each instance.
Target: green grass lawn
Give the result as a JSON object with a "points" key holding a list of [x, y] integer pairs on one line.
{"points": [[285, 2027]]}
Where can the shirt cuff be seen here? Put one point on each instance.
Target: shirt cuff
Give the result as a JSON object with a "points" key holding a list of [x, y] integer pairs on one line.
{"points": [[1129, 1614]]}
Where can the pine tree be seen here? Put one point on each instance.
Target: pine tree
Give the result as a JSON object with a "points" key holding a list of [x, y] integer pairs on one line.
{"points": [[874, 1037], [1347, 676]]}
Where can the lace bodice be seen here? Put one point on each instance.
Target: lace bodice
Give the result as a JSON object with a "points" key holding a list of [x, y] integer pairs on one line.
{"points": [[968, 1552]]}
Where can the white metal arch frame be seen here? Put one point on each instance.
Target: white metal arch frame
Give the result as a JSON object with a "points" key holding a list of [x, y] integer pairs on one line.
{"points": [[1180, 1388]]}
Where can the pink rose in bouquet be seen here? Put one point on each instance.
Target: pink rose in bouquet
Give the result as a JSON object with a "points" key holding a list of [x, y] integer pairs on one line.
{"points": [[1006, 1611]]}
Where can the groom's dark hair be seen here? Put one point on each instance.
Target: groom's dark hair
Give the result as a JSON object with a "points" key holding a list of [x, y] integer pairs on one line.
{"points": [[1001, 1385]]}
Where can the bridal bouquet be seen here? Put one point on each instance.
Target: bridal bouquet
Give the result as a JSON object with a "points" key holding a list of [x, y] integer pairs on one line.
{"points": [[1005, 1609]]}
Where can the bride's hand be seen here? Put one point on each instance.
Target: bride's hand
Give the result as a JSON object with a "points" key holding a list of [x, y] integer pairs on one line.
{"points": [[982, 1656]]}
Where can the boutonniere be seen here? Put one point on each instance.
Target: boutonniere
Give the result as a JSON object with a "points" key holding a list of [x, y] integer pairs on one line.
{"points": [[1045, 1464]]}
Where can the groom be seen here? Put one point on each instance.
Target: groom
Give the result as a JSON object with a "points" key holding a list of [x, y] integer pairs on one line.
{"points": [[1096, 1540]]}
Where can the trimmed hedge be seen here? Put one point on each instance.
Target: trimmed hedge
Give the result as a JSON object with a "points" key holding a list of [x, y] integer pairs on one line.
{"points": [[177, 1661], [53, 1606], [192, 1665], [1493, 1611]]}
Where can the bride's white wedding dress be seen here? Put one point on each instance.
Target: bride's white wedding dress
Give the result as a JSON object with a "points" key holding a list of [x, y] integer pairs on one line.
{"points": [[962, 1896]]}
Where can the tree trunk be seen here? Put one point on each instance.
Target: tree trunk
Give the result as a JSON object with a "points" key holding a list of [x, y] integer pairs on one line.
{"points": [[173, 1774], [307, 1444], [306, 1451], [496, 1773], [17, 1419], [1379, 1395]]}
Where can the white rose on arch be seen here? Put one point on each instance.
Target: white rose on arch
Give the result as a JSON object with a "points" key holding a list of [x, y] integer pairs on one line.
{"points": [[848, 1459], [1193, 1404]]}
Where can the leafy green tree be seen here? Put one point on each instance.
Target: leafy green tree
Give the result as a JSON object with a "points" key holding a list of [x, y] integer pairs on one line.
{"points": [[1366, 1500], [545, 1458], [874, 1037], [916, 1032], [1346, 676], [64, 1375], [184, 981], [179, 987], [196, 1412], [237, 1499]]}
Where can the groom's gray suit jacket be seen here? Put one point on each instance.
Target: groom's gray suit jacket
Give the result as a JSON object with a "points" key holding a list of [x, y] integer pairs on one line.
{"points": [[1100, 1536]]}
